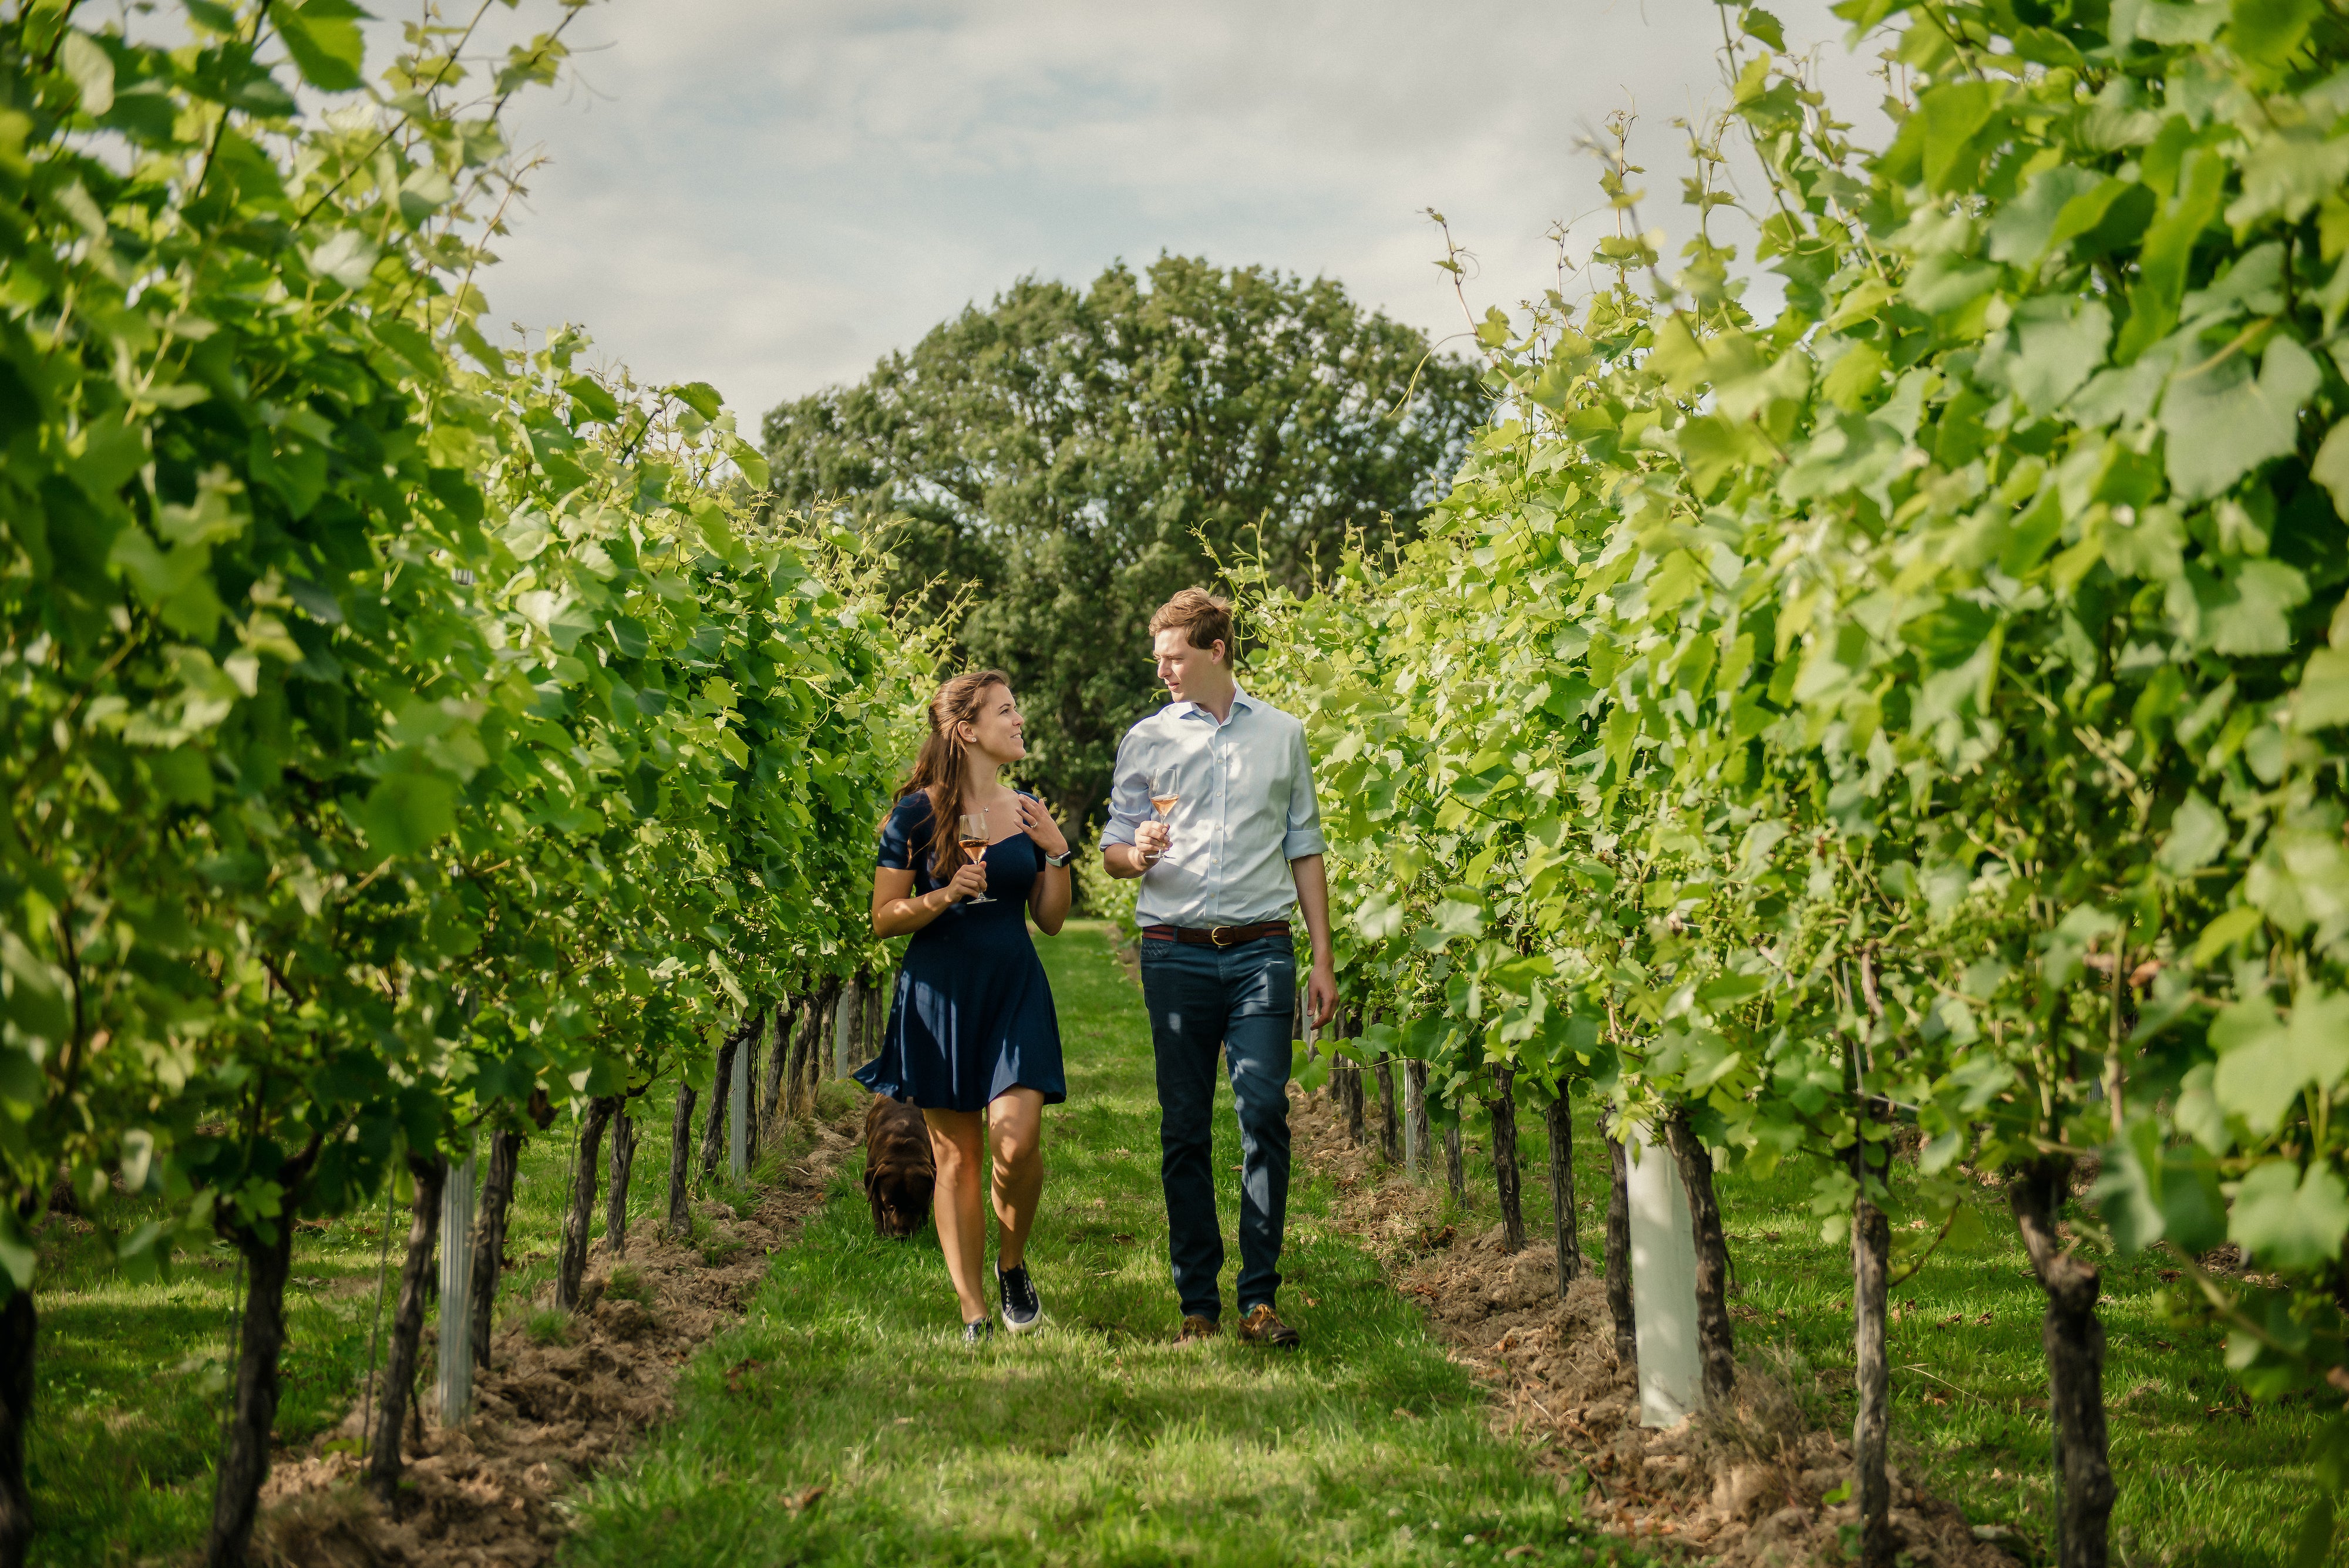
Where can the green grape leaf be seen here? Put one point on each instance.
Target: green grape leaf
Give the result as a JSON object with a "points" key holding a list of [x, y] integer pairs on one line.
{"points": [[1953, 114], [18, 1256], [2128, 1193], [2196, 22], [1454, 919], [2269, 30], [2265, 1061], [2330, 468], [34, 994], [2289, 1221], [2321, 698], [591, 401], [2286, 175], [2198, 833], [2222, 422], [405, 813], [324, 37], [2024, 229], [91, 69], [2251, 612], [700, 397]]}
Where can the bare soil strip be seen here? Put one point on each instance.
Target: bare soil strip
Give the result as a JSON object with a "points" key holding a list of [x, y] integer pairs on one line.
{"points": [[1743, 1487], [491, 1489]]}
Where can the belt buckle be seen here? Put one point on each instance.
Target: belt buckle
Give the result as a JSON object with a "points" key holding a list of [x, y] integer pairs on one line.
{"points": [[1215, 937]]}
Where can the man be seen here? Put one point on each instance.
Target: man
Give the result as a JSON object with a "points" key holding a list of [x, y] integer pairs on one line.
{"points": [[1241, 845]]}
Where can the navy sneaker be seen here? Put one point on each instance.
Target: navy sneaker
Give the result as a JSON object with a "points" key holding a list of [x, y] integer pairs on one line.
{"points": [[1022, 1308], [978, 1333]]}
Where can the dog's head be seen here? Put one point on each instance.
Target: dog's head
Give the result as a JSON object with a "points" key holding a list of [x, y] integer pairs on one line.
{"points": [[899, 1170], [900, 1197]]}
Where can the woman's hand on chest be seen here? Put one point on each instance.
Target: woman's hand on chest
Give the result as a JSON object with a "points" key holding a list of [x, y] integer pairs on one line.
{"points": [[1038, 824]]}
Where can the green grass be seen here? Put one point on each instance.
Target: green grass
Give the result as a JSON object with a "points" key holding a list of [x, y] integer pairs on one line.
{"points": [[1098, 1441], [1095, 1440], [132, 1379]]}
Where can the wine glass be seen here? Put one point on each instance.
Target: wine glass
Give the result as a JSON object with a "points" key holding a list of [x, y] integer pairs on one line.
{"points": [[974, 839], [1164, 794]]}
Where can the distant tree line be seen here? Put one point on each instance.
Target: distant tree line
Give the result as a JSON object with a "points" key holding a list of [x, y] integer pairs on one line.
{"points": [[1061, 454]]}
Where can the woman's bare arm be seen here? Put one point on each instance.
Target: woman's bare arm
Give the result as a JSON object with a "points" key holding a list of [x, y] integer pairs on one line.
{"points": [[1047, 902], [896, 912]]}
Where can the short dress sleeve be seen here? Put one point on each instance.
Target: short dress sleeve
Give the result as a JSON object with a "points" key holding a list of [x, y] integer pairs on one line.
{"points": [[906, 836]]}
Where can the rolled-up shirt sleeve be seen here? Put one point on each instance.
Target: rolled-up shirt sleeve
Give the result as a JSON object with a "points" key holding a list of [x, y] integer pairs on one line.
{"points": [[1304, 833], [1129, 791]]}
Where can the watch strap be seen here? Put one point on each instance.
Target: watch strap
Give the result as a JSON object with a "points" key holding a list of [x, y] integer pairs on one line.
{"points": [[1061, 859]]}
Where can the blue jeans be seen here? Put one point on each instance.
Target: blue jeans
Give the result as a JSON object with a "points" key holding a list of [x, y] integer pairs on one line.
{"points": [[1241, 1000]]}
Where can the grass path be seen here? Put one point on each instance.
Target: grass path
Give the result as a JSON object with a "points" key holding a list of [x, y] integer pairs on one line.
{"points": [[1095, 1440]]}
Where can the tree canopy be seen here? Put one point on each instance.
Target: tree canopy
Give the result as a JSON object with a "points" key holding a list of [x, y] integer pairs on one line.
{"points": [[1063, 453]]}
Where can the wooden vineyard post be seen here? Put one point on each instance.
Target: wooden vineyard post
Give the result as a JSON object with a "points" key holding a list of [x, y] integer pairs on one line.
{"points": [[1620, 1306], [746, 1078], [261, 1340], [1389, 1124], [616, 1200], [427, 1172], [17, 1326], [793, 1019], [1503, 1107], [846, 1026], [1348, 1075], [1716, 1340], [713, 1125], [1663, 1269], [489, 1236], [843, 1022], [1560, 1117], [453, 1380], [1871, 1247], [579, 1210], [1455, 1169], [680, 1163], [2074, 1339], [876, 1020], [738, 1117]]}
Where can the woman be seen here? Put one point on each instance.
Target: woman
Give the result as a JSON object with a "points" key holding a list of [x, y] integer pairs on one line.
{"points": [[972, 1036]]}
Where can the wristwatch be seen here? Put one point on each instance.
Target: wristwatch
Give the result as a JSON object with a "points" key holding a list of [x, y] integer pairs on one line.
{"points": [[1062, 858]]}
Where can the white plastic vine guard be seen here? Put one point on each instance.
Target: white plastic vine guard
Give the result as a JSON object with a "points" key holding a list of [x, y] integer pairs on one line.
{"points": [[1663, 1286]]}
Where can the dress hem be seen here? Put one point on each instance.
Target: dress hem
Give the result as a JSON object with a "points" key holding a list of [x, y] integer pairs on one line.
{"points": [[899, 1093]]}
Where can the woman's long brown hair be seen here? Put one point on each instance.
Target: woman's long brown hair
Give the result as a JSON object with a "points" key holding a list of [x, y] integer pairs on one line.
{"points": [[939, 771]]}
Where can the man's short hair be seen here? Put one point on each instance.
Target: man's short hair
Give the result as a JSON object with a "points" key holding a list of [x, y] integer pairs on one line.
{"points": [[1206, 618]]}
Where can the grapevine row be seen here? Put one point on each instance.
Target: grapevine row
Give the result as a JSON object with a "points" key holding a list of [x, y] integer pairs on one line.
{"points": [[1915, 711], [404, 737]]}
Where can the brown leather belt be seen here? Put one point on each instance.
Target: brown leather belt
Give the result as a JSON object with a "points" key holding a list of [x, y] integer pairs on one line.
{"points": [[1220, 936]]}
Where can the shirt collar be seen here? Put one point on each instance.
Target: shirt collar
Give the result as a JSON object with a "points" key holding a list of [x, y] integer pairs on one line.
{"points": [[1240, 698]]}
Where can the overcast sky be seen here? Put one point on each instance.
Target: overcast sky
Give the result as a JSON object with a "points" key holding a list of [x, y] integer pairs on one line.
{"points": [[771, 194]]}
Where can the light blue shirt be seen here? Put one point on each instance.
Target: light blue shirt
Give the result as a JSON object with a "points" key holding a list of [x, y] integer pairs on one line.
{"points": [[1247, 810]]}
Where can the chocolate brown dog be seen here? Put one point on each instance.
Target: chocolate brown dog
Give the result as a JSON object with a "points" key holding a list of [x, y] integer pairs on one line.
{"points": [[899, 1169]]}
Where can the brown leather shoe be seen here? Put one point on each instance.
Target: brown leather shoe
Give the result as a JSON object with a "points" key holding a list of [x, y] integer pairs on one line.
{"points": [[1197, 1328], [1261, 1327]]}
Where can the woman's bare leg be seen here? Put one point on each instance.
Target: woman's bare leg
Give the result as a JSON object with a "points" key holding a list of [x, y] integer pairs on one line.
{"points": [[954, 1205], [1015, 1131]]}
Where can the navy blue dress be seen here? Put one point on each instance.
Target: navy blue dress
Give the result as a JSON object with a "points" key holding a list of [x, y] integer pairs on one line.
{"points": [[973, 1014]]}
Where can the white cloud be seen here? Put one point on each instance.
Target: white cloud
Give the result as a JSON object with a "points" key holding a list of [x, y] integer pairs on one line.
{"points": [[771, 196]]}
